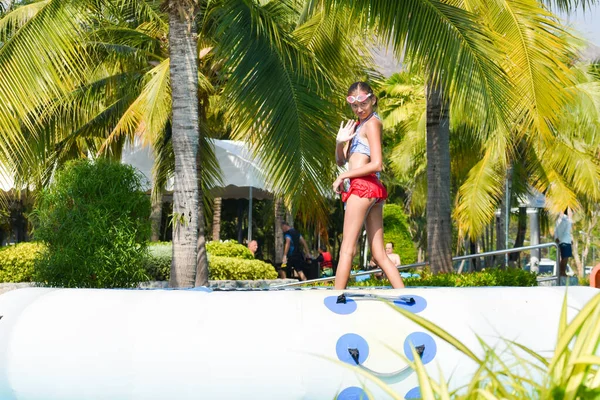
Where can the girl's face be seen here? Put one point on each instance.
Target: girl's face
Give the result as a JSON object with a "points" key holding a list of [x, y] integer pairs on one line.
{"points": [[361, 103]]}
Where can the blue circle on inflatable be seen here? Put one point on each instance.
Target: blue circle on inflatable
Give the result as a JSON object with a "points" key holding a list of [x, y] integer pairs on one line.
{"points": [[352, 341], [419, 303], [352, 393], [420, 339], [414, 393], [343, 309]]}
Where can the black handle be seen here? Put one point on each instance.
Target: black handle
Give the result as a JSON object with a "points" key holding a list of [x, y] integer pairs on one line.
{"points": [[355, 354]]}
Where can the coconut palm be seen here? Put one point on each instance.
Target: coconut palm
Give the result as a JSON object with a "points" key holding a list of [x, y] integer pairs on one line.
{"points": [[188, 217], [121, 87], [263, 44], [509, 95], [576, 135]]}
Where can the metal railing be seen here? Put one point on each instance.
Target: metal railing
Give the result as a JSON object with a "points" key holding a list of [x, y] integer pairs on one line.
{"points": [[458, 258]]}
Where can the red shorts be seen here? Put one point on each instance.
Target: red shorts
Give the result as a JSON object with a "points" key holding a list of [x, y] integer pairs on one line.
{"points": [[367, 187]]}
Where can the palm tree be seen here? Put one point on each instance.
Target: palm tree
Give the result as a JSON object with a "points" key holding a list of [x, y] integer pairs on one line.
{"points": [[188, 217], [573, 163], [277, 54], [506, 94], [120, 87], [216, 225]]}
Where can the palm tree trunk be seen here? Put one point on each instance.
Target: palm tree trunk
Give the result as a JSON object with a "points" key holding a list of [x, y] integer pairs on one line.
{"points": [[156, 216], [279, 215], [184, 90], [591, 222], [439, 224], [576, 258], [503, 220], [500, 226], [202, 258], [240, 221], [216, 226], [521, 231], [473, 250]]}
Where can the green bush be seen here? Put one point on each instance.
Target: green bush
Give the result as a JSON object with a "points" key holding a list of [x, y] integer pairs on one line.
{"points": [[94, 219], [396, 230], [490, 277], [158, 262], [229, 248], [584, 281], [226, 260], [17, 261], [224, 268]]}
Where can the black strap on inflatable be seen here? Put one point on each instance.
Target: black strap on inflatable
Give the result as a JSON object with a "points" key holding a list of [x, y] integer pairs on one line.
{"points": [[354, 353], [341, 299], [408, 300]]}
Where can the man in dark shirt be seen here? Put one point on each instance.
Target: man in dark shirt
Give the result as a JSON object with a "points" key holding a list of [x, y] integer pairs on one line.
{"points": [[292, 255]]}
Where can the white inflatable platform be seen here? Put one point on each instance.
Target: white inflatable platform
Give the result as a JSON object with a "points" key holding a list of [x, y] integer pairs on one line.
{"points": [[78, 344]]}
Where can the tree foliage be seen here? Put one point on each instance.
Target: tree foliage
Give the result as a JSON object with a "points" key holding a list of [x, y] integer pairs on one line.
{"points": [[397, 231], [94, 219]]}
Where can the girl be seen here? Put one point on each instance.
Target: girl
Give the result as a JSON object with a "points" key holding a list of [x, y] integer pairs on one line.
{"points": [[359, 145]]}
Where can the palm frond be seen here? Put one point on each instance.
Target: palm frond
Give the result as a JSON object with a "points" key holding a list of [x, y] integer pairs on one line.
{"points": [[448, 43], [409, 156], [54, 34], [335, 39], [578, 169], [279, 103], [570, 5], [136, 11], [478, 196], [537, 56], [13, 20], [148, 114]]}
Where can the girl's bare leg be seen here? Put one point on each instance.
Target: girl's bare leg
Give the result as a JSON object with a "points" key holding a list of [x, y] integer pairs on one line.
{"points": [[374, 223], [354, 217]]}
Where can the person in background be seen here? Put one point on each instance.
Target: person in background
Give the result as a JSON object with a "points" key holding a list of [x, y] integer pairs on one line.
{"points": [[293, 256], [395, 258], [325, 262], [253, 247], [562, 236], [389, 250]]}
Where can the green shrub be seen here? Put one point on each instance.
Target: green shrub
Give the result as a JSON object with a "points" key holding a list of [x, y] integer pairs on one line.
{"points": [[158, 262], [17, 261], [224, 268], [490, 277], [229, 248], [94, 220], [396, 230], [226, 260]]}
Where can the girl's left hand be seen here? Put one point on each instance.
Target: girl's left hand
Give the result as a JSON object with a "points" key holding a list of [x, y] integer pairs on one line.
{"points": [[338, 185]]}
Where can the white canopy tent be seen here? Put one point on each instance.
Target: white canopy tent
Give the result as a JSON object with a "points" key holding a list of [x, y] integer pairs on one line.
{"points": [[242, 174]]}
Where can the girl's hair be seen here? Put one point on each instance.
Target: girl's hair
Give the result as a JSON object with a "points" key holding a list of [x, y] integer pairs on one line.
{"points": [[364, 86]]}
